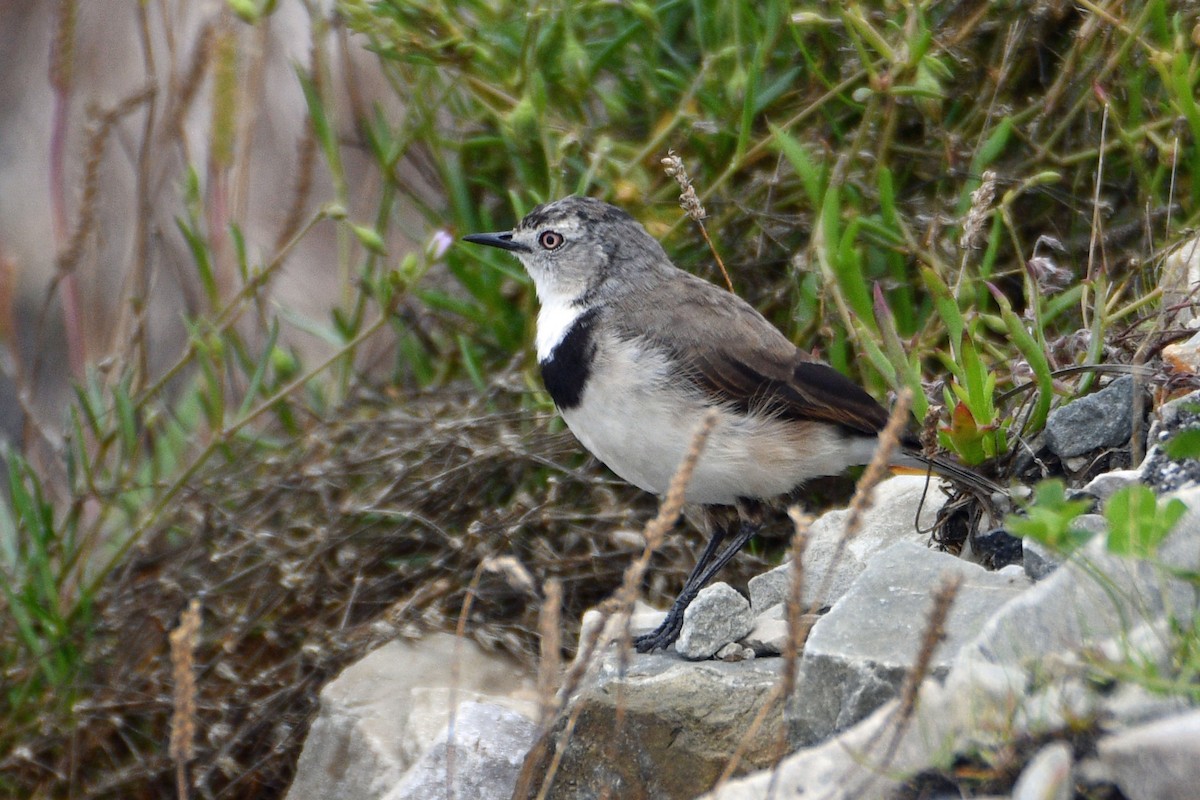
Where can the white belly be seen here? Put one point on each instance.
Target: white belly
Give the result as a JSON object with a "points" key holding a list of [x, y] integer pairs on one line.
{"points": [[641, 433]]}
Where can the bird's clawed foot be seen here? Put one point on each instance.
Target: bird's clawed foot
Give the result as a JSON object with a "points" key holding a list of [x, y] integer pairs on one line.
{"points": [[663, 636], [712, 560]]}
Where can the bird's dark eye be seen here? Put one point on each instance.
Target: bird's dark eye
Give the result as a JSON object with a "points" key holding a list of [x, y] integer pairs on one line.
{"points": [[551, 240]]}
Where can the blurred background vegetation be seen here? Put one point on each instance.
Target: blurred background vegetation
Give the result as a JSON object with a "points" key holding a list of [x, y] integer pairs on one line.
{"points": [[966, 198]]}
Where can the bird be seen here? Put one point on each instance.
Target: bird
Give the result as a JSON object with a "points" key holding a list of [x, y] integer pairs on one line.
{"points": [[634, 351]]}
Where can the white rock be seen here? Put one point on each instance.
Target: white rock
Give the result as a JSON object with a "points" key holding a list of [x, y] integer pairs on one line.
{"points": [[1106, 485], [1180, 277], [831, 565], [643, 619], [1047, 776], [768, 637], [1093, 597], [861, 652], [1130, 704], [1157, 761], [719, 615], [479, 758], [379, 715]]}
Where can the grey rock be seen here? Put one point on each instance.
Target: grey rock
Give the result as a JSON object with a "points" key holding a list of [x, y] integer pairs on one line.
{"points": [[769, 589], [1040, 560], [873, 759], [1076, 464], [1102, 419], [478, 758], [1091, 523], [985, 699], [993, 550], [1012, 571], [735, 651], [832, 562], [768, 637], [1092, 597], [1151, 644], [719, 615], [380, 714], [860, 653], [1166, 474], [1047, 776], [679, 721], [1157, 761], [849, 767], [1176, 415]]}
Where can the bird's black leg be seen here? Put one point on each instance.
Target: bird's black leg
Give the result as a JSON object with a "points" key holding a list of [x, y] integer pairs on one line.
{"points": [[666, 633], [714, 542], [669, 629]]}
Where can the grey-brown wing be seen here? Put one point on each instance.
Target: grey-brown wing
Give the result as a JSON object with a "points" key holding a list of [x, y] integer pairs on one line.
{"points": [[732, 353]]}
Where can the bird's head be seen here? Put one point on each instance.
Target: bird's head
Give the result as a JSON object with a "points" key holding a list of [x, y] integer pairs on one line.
{"points": [[574, 246]]}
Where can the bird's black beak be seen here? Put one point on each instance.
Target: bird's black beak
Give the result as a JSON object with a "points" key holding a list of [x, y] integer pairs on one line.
{"points": [[503, 240]]}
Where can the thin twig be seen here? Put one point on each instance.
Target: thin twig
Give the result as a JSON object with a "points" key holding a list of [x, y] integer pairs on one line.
{"points": [[1096, 223]]}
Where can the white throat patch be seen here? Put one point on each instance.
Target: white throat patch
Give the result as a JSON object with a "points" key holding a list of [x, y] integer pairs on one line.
{"points": [[557, 316]]}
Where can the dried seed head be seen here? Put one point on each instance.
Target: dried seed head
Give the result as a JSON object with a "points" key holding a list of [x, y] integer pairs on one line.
{"points": [[688, 200], [183, 650], [981, 204]]}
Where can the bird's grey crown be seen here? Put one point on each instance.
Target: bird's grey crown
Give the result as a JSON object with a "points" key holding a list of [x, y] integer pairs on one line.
{"points": [[583, 211]]}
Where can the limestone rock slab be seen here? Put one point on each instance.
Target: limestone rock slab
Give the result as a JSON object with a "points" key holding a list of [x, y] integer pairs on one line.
{"points": [[902, 504], [661, 727], [381, 713], [860, 653]]}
